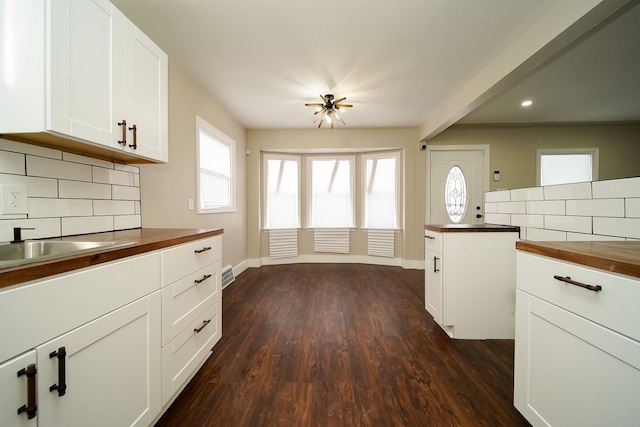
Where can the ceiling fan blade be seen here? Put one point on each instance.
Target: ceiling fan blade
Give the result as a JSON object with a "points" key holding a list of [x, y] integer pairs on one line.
{"points": [[338, 117], [344, 105], [339, 100], [314, 104]]}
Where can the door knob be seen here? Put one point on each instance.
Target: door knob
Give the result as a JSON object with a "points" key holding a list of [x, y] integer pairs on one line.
{"points": [[478, 216]]}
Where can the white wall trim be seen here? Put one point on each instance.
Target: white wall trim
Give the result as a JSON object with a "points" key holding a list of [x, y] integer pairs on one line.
{"points": [[333, 259]]}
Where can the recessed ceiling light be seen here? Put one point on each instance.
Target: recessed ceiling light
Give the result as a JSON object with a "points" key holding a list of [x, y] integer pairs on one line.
{"points": [[527, 103]]}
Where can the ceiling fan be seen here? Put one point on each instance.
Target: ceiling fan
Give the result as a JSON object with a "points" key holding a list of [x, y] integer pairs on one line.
{"points": [[327, 110]]}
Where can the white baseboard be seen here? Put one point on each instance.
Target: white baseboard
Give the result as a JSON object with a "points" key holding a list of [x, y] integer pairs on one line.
{"points": [[333, 258]]}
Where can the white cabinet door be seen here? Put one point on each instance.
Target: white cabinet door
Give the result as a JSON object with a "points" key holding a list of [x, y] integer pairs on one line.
{"points": [[80, 81], [433, 285], [146, 95], [570, 371], [110, 367], [15, 376]]}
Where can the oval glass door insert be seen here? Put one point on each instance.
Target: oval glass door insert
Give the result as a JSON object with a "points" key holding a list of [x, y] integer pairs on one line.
{"points": [[455, 194]]}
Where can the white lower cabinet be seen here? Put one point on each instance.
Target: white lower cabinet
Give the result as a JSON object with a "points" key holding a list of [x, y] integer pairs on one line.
{"points": [[18, 405], [104, 373], [94, 339], [577, 351], [470, 281], [191, 310]]}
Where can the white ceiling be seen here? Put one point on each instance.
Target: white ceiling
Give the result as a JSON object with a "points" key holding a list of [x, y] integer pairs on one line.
{"points": [[396, 62]]}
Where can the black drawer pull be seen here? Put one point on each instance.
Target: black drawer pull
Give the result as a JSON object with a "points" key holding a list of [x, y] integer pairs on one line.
{"points": [[594, 288], [430, 237], [205, 277], [206, 248], [30, 408], [204, 323], [61, 387]]}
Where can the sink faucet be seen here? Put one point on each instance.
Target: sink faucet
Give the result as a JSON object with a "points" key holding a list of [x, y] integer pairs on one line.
{"points": [[17, 234]]}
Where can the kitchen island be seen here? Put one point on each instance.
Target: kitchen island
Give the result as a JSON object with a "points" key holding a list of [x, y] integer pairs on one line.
{"points": [[577, 345]]}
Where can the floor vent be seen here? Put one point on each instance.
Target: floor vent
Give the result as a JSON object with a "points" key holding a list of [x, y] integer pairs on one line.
{"points": [[227, 276]]}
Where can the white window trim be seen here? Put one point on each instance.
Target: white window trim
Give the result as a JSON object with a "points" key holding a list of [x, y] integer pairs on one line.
{"points": [[595, 154], [309, 201], [265, 158], [202, 124], [363, 167]]}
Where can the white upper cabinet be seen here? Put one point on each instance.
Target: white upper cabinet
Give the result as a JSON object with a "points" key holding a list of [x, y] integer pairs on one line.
{"points": [[90, 77]]}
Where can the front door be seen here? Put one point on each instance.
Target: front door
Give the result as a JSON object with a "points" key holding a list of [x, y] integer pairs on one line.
{"points": [[457, 186]]}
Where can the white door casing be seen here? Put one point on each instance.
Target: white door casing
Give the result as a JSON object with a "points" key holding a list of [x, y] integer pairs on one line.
{"points": [[474, 162]]}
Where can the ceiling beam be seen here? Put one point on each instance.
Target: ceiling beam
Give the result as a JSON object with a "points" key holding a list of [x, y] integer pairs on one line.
{"points": [[564, 23]]}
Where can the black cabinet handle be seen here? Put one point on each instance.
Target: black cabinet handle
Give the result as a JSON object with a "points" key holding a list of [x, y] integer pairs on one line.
{"points": [[435, 260], [30, 408], [205, 277], [61, 387], [206, 248], [204, 323], [123, 125], [135, 137], [594, 288]]}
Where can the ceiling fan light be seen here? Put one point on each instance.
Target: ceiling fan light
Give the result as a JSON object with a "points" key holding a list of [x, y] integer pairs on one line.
{"points": [[526, 103]]}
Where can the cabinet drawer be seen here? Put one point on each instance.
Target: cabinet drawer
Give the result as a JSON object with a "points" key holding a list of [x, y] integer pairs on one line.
{"points": [[33, 313], [184, 354], [615, 306], [433, 241], [185, 259], [184, 301]]}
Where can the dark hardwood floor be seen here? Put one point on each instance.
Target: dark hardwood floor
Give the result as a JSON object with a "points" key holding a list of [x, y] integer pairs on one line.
{"points": [[343, 345]]}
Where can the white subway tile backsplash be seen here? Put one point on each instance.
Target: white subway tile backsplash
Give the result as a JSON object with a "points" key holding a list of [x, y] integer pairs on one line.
{"points": [[36, 187], [491, 207], [536, 221], [497, 196], [499, 219], [578, 224], [581, 237], [36, 150], [63, 197], [540, 234], [627, 187], [580, 190], [112, 176], [125, 193], [527, 194], [88, 224], [600, 207], [549, 207], [123, 222], [12, 163], [511, 207], [621, 227], [77, 158], [43, 167], [113, 207], [84, 190], [47, 208], [632, 208]]}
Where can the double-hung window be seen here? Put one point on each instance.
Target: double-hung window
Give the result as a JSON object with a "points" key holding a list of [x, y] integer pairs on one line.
{"points": [[330, 183], [216, 169], [381, 190], [282, 191]]}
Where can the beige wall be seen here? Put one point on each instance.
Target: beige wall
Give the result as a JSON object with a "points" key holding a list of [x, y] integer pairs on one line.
{"points": [[513, 149], [409, 243], [167, 188]]}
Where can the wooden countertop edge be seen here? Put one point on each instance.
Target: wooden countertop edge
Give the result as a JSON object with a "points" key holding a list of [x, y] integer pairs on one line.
{"points": [[601, 262], [39, 270], [465, 228]]}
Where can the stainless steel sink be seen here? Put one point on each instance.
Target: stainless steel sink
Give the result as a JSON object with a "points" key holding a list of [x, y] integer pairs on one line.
{"points": [[12, 254]]}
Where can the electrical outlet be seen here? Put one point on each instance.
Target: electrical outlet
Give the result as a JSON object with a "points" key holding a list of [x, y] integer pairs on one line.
{"points": [[14, 199]]}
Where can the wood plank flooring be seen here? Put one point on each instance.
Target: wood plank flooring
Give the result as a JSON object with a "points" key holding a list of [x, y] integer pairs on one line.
{"points": [[343, 345]]}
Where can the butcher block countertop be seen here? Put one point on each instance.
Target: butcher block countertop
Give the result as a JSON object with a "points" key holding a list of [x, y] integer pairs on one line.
{"points": [[470, 228], [616, 257], [146, 240]]}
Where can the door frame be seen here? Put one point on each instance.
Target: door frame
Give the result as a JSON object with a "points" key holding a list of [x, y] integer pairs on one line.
{"points": [[485, 148]]}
